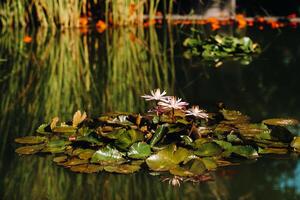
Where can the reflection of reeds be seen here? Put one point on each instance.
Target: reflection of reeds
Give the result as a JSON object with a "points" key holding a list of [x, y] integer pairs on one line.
{"points": [[135, 57]]}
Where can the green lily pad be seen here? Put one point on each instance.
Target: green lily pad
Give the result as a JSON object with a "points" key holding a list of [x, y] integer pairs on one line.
{"points": [[44, 129], [192, 168], [272, 150], [56, 146], [31, 140], [123, 169], [140, 150], [159, 133], [87, 168], [107, 155], [209, 163], [167, 158], [208, 149], [27, 150], [128, 137], [281, 122], [245, 151], [296, 143]]}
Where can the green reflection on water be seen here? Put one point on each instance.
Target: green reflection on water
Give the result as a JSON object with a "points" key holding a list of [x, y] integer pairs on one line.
{"points": [[59, 73]]}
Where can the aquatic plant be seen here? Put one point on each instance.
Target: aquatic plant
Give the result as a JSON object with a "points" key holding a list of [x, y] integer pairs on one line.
{"points": [[216, 49], [172, 142]]}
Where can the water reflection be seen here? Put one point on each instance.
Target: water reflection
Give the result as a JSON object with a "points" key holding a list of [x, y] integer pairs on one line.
{"points": [[59, 73]]}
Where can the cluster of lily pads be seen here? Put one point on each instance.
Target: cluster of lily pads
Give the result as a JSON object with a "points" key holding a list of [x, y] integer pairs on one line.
{"points": [[216, 49], [169, 139]]}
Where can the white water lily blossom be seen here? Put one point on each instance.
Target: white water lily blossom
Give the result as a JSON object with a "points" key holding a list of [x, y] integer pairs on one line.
{"points": [[197, 112], [155, 95], [173, 103]]}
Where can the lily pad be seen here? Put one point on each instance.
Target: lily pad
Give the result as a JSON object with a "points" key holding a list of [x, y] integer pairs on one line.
{"points": [[108, 155], [192, 168], [281, 122], [123, 169], [87, 168], [140, 150], [74, 161], [68, 130], [86, 154], [60, 159], [44, 129], [208, 149], [245, 151], [296, 143], [272, 150], [27, 150], [159, 133], [31, 140], [167, 158]]}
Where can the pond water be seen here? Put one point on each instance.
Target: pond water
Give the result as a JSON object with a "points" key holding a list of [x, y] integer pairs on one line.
{"points": [[56, 74]]}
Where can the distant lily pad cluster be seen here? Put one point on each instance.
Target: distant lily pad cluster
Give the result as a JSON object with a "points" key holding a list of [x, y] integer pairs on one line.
{"points": [[169, 139], [216, 49]]}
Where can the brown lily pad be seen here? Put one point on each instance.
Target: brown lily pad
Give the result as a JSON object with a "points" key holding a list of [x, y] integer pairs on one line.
{"points": [[31, 140], [281, 122], [27, 150], [87, 168]]}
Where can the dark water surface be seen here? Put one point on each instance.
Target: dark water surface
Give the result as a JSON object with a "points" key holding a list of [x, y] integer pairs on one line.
{"points": [[59, 73]]}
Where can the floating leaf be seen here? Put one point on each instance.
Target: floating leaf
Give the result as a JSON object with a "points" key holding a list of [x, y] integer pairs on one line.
{"points": [[252, 130], [128, 137], [44, 129], [31, 140], [87, 168], [56, 146], [140, 150], [74, 161], [107, 155], [27, 150], [208, 149], [209, 163], [233, 115], [60, 159], [86, 154], [122, 169], [65, 129], [245, 151], [54, 122], [296, 143], [272, 150], [192, 168], [159, 133], [281, 122], [167, 158]]}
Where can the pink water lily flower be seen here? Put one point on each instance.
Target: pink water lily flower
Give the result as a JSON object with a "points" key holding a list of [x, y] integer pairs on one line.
{"points": [[172, 103], [155, 95], [197, 112]]}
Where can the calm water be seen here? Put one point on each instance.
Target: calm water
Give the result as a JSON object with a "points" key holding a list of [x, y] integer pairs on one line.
{"points": [[59, 73]]}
